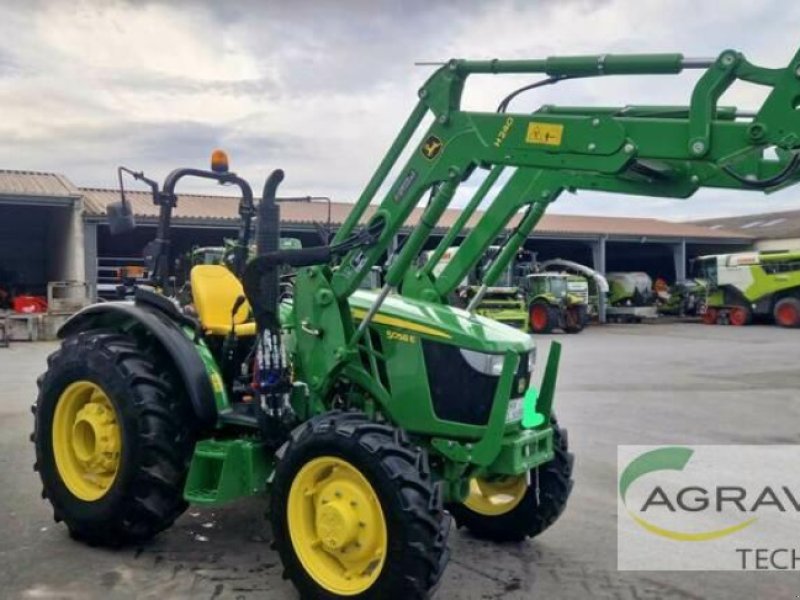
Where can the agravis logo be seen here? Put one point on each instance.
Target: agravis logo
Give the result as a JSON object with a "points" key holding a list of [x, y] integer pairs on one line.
{"points": [[737, 506], [691, 499]]}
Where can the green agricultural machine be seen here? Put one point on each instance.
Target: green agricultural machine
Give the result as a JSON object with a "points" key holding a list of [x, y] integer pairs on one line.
{"points": [[556, 301], [368, 418], [630, 297], [686, 298], [529, 298], [751, 284], [503, 304], [504, 301]]}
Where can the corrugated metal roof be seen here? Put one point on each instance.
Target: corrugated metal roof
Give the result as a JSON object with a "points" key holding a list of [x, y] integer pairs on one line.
{"points": [[220, 208], [764, 226], [190, 206], [35, 183]]}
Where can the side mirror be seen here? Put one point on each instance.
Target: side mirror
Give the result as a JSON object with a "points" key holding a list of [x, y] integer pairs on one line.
{"points": [[149, 254], [120, 217]]}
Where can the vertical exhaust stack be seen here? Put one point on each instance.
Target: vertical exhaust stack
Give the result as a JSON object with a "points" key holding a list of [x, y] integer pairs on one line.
{"points": [[268, 238], [267, 241]]}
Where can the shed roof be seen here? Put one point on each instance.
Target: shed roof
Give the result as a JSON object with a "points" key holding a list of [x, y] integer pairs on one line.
{"points": [[765, 226], [224, 208], [36, 184]]}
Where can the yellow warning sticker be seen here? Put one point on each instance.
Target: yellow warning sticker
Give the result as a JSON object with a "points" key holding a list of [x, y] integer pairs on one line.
{"points": [[544, 133], [216, 383]]}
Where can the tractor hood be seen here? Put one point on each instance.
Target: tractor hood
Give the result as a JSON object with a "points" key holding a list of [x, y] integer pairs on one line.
{"points": [[442, 323]]}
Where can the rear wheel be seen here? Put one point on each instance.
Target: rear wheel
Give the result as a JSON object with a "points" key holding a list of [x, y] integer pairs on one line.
{"points": [[543, 317], [740, 315], [510, 510], [787, 312], [355, 512], [575, 319], [112, 441], [710, 316]]}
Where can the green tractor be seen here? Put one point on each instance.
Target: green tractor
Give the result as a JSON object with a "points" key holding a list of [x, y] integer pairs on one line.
{"points": [[368, 417], [556, 301], [152, 405], [751, 284]]}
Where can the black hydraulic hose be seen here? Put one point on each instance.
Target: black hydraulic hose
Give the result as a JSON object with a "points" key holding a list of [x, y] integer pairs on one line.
{"points": [[503, 106], [784, 175]]}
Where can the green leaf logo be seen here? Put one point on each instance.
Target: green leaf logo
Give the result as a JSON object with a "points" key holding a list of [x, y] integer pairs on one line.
{"points": [[673, 458]]}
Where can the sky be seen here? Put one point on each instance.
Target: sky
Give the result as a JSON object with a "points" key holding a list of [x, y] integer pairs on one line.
{"points": [[320, 88]]}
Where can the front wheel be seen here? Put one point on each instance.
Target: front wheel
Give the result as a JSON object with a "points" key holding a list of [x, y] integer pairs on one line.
{"points": [[510, 510], [355, 512], [112, 439], [543, 317]]}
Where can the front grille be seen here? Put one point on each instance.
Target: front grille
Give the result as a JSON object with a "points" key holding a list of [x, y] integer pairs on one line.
{"points": [[460, 393]]}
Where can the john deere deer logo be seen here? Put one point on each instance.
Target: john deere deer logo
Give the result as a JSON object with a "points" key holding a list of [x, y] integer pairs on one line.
{"points": [[431, 147]]}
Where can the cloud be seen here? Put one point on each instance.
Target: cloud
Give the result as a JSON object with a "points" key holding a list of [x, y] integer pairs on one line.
{"points": [[321, 88]]}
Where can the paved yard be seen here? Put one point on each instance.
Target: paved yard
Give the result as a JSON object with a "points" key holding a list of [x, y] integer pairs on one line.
{"points": [[648, 384]]}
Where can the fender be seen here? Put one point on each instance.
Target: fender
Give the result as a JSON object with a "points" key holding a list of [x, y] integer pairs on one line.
{"points": [[172, 338]]}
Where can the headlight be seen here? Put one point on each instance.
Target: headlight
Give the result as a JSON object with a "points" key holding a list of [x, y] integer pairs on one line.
{"points": [[532, 360], [488, 364]]}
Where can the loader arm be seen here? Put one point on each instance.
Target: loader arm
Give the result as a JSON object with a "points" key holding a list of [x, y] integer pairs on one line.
{"points": [[668, 151], [659, 151]]}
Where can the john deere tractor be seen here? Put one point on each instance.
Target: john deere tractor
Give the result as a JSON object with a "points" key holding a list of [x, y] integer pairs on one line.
{"points": [[367, 418]]}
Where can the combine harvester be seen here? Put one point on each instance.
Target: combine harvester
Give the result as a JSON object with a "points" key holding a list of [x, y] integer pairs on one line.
{"points": [[751, 284], [365, 416]]}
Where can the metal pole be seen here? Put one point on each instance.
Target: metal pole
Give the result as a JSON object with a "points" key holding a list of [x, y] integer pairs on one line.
{"points": [[463, 218], [477, 299], [697, 62], [373, 310]]}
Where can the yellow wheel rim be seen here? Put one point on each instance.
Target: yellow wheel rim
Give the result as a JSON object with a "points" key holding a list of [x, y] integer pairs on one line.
{"points": [[494, 498], [337, 526], [86, 440]]}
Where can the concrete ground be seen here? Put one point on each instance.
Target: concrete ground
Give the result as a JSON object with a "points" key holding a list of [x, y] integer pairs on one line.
{"points": [[622, 384]]}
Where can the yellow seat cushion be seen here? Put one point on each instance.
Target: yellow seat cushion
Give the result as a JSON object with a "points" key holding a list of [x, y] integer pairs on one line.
{"points": [[214, 291]]}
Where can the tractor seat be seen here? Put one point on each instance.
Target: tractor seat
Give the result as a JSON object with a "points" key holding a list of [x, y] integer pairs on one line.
{"points": [[215, 290]]}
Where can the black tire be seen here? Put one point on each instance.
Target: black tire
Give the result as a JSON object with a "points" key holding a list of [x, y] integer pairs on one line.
{"points": [[740, 315], [399, 473], [156, 443], [575, 319], [545, 323], [530, 517], [787, 312]]}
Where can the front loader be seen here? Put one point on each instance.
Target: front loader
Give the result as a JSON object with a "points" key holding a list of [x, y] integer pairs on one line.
{"points": [[367, 417]]}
